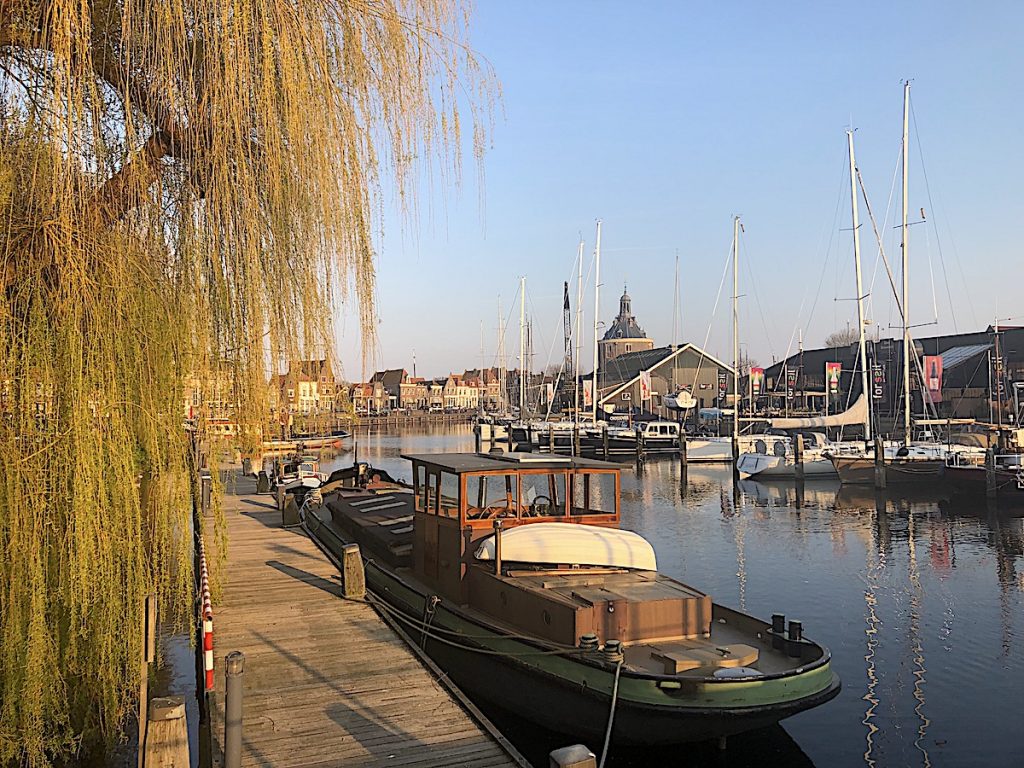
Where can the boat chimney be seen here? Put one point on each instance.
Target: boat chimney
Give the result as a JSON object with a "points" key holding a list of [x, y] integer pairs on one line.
{"points": [[497, 547]]}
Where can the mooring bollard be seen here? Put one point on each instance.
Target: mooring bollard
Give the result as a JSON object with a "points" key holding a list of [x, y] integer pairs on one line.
{"points": [[353, 576], [234, 667], [207, 491], [576, 756], [166, 733]]}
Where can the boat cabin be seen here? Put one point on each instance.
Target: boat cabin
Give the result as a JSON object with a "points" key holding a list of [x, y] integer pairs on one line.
{"points": [[459, 496], [533, 542]]}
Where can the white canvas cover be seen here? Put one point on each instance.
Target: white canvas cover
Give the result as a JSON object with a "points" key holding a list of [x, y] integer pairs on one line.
{"points": [[572, 543], [855, 414]]}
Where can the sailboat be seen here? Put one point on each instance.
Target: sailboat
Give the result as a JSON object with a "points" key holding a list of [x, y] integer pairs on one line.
{"points": [[912, 461], [816, 461]]}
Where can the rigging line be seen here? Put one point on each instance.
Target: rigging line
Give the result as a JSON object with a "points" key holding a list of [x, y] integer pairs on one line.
{"points": [[885, 226], [931, 273], [881, 248], [828, 251], [714, 311], [938, 239], [757, 300]]}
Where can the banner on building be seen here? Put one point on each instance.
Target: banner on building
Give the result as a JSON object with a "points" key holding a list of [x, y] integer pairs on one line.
{"points": [[832, 373], [645, 385], [756, 382], [998, 378], [723, 385], [588, 393], [790, 383], [933, 377], [550, 388], [877, 382]]}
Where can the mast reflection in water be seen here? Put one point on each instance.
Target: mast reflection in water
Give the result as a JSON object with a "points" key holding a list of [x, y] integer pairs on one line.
{"points": [[921, 603]]}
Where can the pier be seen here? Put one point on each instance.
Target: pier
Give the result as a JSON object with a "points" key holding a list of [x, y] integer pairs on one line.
{"points": [[327, 682]]}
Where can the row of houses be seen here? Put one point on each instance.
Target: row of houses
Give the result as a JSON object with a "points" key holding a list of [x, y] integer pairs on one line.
{"points": [[395, 388]]}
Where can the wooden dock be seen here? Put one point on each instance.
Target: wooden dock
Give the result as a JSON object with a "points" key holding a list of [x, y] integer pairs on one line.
{"points": [[327, 682]]}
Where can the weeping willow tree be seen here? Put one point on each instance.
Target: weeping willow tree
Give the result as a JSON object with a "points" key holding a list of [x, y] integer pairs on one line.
{"points": [[186, 186]]}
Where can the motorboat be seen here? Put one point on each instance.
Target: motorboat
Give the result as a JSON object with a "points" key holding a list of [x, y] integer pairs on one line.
{"points": [[512, 573]]}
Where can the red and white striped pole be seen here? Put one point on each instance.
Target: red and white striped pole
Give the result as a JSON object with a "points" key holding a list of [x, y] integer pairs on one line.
{"points": [[206, 616]]}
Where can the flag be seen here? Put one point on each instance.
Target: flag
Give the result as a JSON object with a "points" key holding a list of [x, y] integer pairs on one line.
{"points": [[588, 393], [933, 377], [756, 381], [645, 385], [550, 392], [723, 385], [832, 374], [790, 383]]}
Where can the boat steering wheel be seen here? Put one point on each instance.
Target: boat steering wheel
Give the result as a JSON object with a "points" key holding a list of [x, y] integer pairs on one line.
{"points": [[499, 509], [540, 506]]}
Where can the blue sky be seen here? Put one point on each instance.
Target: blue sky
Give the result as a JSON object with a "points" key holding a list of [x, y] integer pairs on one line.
{"points": [[664, 120]]}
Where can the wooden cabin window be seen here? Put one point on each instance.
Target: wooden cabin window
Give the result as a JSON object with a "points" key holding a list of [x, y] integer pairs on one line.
{"points": [[420, 483], [543, 495], [490, 496], [593, 493], [448, 498]]}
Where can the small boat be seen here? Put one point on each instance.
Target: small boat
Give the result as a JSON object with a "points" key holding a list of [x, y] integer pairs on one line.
{"points": [[971, 480], [511, 571], [659, 437]]}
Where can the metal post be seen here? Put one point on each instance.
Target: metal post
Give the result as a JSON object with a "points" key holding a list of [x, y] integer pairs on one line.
{"points": [[234, 664]]}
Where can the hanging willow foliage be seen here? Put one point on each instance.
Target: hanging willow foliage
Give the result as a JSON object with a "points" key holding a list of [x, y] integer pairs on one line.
{"points": [[187, 188]]}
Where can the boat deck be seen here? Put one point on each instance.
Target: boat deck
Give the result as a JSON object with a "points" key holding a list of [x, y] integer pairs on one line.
{"points": [[327, 682]]}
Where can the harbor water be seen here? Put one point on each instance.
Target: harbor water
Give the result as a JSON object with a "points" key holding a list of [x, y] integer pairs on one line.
{"points": [[919, 602]]}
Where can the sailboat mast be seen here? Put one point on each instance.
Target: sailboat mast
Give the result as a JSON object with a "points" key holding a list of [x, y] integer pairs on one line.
{"points": [[522, 348], [576, 333], [735, 333], [597, 310], [906, 282], [860, 289], [502, 381]]}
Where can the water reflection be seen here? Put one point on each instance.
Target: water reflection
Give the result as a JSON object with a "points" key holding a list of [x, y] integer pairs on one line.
{"points": [[919, 599]]}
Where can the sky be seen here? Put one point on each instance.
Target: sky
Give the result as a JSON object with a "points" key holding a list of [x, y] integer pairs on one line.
{"points": [[665, 120]]}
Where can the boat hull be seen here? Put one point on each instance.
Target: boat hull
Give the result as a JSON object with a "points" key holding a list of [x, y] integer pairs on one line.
{"points": [[861, 470], [563, 693], [972, 483], [764, 466]]}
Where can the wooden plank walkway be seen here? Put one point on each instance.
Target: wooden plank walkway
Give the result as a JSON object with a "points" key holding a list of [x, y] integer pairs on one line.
{"points": [[327, 682]]}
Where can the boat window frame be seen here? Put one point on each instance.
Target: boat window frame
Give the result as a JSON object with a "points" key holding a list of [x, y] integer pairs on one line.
{"points": [[568, 475], [598, 516]]}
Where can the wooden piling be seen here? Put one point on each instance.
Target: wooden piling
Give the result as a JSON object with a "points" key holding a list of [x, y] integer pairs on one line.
{"points": [[551, 439], [352, 575], [604, 442], [798, 457], [166, 734], [990, 474], [880, 480]]}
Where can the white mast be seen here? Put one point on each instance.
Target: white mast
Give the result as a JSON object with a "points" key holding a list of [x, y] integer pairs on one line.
{"points": [[906, 283], [735, 334], [502, 381], [860, 290], [522, 348], [597, 310], [576, 332]]}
